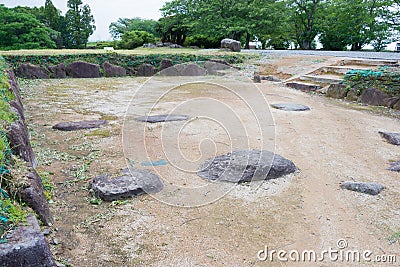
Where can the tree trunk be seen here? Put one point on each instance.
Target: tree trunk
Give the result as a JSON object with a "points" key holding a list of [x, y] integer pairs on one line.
{"points": [[356, 47], [247, 46]]}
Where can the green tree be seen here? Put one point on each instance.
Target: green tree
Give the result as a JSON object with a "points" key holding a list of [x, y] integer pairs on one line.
{"points": [[133, 39], [22, 31], [79, 24], [305, 17], [356, 23], [123, 25]]}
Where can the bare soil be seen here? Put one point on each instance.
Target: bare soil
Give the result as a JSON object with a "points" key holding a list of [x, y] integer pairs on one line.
{"points": [[332, 143]]}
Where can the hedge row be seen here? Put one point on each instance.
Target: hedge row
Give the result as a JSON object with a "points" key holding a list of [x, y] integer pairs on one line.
{"points": [[126, 61]]}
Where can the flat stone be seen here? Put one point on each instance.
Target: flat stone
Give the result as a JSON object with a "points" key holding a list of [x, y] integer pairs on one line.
{"points": [[134, 183], [270, 78], [26, 246], [245, 166], [163, 118], [365, 188], [290, 107], [79, 125], [305, 87], [392, 138], [394, 166]]}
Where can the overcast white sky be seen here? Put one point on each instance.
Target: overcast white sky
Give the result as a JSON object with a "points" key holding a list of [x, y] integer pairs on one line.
{"points": [[104, 11]]}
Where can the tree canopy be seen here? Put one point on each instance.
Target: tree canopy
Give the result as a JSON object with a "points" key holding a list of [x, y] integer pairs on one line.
{"points": [[20, 30], [46, 27]]}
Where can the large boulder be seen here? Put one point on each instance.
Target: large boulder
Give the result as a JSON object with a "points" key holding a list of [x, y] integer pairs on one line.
{"points": [[18, 137], [80, 69], [26, 246], [133, 183], [337, 91], [214, 66], [165, 64], [193, 70], [352, 95], [376, 97], [231, 44], [146, 70], [79, 125], [111, 70], [58, 71], [30, 71], [184, 70], [246, 166]]}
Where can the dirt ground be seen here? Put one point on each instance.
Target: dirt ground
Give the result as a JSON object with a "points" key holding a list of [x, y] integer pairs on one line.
{"points": [[334, 142]]}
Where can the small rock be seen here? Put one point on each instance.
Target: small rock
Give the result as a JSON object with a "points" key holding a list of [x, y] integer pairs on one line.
{"points": [[163, 118], [46, 231], [365, 188], [394, 166], [270, 78], [246, 166], [290, 107], [392, 138], [80, 125], [55, 241], [256, 78], [137, 182]]}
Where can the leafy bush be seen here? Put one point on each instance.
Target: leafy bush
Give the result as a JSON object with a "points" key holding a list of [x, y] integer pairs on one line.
{"points": [[203, 41], [134, 39], [384, 79]]}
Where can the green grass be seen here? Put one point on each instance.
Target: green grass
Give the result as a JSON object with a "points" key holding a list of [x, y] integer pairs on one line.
{"points": [[11, 215], [48, 185]]}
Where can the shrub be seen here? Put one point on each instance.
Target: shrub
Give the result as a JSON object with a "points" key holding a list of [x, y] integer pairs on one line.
{"points": [[134, 39], [203, 41]]}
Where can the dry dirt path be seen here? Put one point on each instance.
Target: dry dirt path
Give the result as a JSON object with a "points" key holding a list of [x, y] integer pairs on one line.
{"points": [[333, 142]]}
